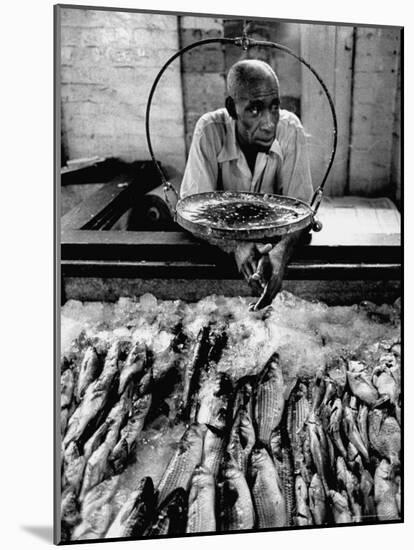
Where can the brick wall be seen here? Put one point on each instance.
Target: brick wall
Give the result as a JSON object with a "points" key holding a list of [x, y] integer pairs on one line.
{"points": [[203, 70], [108, 63]]}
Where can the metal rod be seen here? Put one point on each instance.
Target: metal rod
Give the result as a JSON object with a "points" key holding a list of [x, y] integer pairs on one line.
{"points": [[244, 42]]}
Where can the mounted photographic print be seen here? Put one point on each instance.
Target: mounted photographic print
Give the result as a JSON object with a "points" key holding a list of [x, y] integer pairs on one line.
{"points": [[228, 316]]}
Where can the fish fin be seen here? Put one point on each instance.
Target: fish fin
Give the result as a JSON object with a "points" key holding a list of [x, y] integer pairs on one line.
{"points": [[216, 431], [381, 401]]}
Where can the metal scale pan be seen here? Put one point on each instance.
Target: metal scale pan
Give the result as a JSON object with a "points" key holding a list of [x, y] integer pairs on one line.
{"points": [[234, 216], [242, 216]]}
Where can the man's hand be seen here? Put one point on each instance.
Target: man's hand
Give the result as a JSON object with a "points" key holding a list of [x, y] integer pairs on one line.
{"points": [[251, 259], [274, 265], [277, 260]]}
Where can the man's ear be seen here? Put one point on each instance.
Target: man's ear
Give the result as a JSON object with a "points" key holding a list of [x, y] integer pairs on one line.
{"points": [[231, 107]]}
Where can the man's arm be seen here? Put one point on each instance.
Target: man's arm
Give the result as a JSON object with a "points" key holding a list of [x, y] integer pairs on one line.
{"points": [[296, 182]]}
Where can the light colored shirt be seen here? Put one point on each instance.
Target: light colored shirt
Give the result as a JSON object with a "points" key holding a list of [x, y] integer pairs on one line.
{"points": [[216, 162]]}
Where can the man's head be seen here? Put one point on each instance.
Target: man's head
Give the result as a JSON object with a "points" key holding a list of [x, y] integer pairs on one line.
{"points": [[253, 101]]}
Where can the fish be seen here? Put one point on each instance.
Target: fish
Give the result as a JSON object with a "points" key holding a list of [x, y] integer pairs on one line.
{"points": [[359, 381], [269, 400], [243, 398], [385, 435], [96, 398], [74, 466], [90, 369], [193, 371], [318, 449], [385, 492], [214, 397], [235, 505], [266, 489], [335, 426], [349, 481], [213, 449], [242, 439], [352, 454], [317, 501], [386, 385], [398, 494], [336, 372], [330, 391], [171, 516], [96, 468], [201, 502], [97, 510], [362, 422], [302, 407], [318, 391], [67, 384], [395, 371], [64, 418], [130, 433], [303, 515], [69, 509], [99, 495], [367, 491], [136, 513], [307, 454], [182, 464], [95, 525], [210, 385], [134, 366], [286, 475], [340, 508], [96, 439], [351, 431]]}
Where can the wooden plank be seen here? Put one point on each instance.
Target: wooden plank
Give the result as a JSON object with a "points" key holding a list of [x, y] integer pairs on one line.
{"points": [[318, 48], [344, 49], [374, 104], [171, 245], [190, 270], [115, 197], [329, 50], [86, 212]]}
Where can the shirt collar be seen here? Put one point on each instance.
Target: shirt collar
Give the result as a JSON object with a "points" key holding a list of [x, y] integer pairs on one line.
{"points": [[231, 149]]}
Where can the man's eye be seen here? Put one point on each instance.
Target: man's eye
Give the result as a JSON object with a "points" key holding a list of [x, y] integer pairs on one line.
{"points": [[254, 111], [275, 107]]}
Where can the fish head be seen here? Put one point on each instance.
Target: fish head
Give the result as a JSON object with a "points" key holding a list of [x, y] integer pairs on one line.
{"points": [[336, 370], [316, 488], [258, 456], [194, 433], [230, 471], [340, 467], [356, 367], [202, 477], [338, 500], [384, 470]]}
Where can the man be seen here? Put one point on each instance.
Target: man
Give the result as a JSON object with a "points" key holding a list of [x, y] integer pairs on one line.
{"points": [[252, 145]]}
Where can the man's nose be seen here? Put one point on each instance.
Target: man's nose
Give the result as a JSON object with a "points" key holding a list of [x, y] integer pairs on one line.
{"points": [[268, 121]]}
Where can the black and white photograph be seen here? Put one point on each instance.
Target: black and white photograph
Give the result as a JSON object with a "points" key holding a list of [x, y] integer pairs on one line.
{"points": [[229, 205]]}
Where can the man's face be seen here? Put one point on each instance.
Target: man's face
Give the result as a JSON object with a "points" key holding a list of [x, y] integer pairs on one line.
{"points": [[257, 110]]}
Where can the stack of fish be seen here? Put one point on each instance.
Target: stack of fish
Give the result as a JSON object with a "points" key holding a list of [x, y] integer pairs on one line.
{"points": [[259, 452], [343, 429], [104, 404]]}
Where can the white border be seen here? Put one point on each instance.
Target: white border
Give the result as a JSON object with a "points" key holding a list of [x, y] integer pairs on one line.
{"points": [[27, 262]]}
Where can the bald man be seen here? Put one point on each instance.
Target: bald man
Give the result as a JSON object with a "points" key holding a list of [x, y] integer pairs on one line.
{"points": [[252, 145]]}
